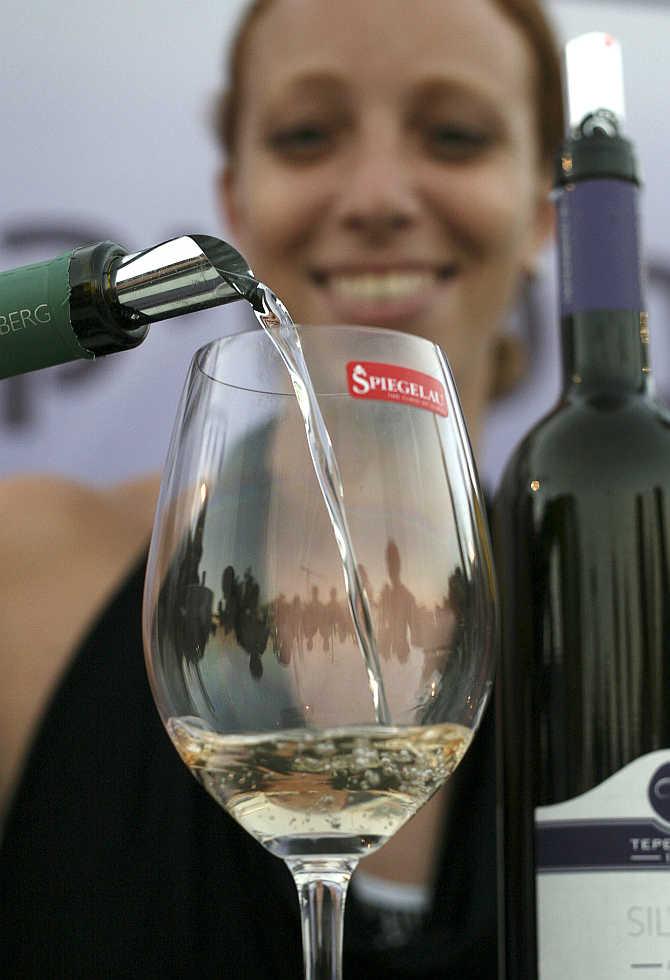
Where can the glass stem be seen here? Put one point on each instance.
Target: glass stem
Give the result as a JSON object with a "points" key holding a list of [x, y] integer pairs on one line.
{"points": [[322, 889]]}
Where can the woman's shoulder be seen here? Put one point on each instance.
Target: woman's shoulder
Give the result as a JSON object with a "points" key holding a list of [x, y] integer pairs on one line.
{"points": [[45, 517], [65, 549]]}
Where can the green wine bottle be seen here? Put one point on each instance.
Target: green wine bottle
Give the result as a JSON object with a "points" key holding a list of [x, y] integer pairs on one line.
{"points": [[582, 543], [98, 299]]}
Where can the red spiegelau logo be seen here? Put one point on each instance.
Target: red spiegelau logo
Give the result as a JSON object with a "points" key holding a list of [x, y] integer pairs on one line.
{"points": [[392, 383]]}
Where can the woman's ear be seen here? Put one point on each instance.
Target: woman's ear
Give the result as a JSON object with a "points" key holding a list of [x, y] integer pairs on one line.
{"points": [[509, 365], [544, 225]]}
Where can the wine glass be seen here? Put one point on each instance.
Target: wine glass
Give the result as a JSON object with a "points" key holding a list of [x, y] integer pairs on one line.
{"points": [[251, 646]]}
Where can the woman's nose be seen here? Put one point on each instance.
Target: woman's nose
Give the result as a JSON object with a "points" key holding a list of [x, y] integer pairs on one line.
{"points": [[378, 196]]}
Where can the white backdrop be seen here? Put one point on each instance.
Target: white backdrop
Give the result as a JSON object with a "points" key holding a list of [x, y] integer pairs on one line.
{"points": [[105, 134]]}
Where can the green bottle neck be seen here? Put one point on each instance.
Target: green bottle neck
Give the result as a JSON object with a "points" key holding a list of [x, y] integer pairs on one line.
{"points": [[605, 352]]}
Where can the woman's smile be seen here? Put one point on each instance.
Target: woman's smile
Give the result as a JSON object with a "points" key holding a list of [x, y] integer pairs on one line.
{"points": [[381, 295]]}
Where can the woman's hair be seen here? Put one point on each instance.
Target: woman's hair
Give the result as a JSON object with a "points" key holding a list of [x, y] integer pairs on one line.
{"points": [[530, 19]]}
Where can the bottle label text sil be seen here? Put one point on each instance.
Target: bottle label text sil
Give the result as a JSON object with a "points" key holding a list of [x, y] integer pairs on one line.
{"points": [[603, 877]]}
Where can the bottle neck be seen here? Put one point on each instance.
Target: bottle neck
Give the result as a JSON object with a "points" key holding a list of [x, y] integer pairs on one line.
{"points": [[605, 351], [604, 329]]}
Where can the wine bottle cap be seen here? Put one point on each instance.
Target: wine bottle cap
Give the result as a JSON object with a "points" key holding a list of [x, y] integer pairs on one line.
{"points": [[594, 81]]}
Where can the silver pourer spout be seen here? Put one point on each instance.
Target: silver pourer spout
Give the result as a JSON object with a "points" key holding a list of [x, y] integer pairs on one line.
{"points": [[183, 275]]}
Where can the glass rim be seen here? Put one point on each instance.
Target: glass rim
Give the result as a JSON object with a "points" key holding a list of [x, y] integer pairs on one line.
{"points": [[324, 328]]}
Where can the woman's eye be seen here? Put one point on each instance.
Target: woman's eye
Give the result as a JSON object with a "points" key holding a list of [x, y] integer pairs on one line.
{"points": [[453, 142], [301, 142]]}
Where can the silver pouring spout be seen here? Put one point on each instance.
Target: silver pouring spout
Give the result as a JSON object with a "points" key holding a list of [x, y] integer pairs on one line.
{"points": [[194, 272]]}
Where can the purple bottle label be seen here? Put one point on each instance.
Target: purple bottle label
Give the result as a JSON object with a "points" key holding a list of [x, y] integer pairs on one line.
{"points": [[599, 247]]}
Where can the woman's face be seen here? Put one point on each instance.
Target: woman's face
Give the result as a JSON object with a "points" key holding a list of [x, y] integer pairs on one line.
{"points": [[386, 167]]}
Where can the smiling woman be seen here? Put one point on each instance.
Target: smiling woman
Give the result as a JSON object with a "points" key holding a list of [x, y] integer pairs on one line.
{"points": [[374, 186], [386, 163]]}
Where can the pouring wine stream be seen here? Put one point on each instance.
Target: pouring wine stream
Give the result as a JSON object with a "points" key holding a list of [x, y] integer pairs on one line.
{"points": [[278, 325]]}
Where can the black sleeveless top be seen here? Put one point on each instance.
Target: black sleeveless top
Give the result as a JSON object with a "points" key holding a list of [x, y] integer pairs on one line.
{"points": [[116, 863]]}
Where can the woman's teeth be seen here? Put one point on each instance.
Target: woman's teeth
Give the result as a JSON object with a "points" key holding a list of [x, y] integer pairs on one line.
{"points": [[381, 286]]}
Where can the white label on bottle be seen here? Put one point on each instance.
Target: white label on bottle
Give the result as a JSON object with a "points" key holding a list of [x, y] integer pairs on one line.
{"points": [[603, 878]]}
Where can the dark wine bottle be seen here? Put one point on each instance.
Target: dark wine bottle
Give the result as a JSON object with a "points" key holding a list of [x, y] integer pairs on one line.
{"points": [[98, 299], [582, 544]]}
